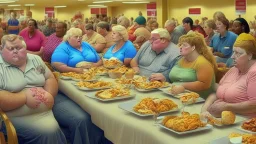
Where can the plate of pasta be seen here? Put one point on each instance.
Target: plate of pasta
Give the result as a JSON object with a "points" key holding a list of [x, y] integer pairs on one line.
{"points": [[94, 85], [112, 94], [112, 63], [184, 124], [149, 106], [145, 86]]}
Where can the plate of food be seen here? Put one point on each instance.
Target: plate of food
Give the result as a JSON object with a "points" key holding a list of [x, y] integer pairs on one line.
{"points": [[149, 106], [149, 85], [112, 94], [99, 71], [67, 76], [178, 93], [184, 124], [94, 85], [236, 138], [249, 126], [190, 98], [112, 63]]}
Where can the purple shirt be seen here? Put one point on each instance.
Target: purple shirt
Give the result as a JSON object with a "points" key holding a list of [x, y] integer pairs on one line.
{"points": [[51, 43], [35, 42]]}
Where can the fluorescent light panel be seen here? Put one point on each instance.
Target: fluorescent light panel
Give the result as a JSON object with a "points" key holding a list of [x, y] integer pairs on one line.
{"points": [[102, 1], [7, 1], [14, 5], [29, 5], [135, 2], [60, 6]]}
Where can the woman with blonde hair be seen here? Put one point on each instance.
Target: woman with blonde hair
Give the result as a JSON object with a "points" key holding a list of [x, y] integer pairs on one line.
{"points": [[123, 49], [195, 71], [236, 90], [72, 51]]}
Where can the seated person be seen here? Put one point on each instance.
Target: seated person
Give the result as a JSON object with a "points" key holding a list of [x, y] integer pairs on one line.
{"points": [[222, 42], [75, 120], [72, 51], [123, 50], [103, 29], [189, 27], [236, 90], [157, 55], [27, 94], [96, 40], [195, 70]]}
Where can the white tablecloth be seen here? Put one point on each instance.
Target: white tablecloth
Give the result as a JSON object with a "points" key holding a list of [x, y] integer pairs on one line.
{"points": [[122, 127]]}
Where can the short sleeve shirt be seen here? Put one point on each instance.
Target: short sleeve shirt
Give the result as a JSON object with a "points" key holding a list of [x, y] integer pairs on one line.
{"points": [[224, 44], [51, 43], [127, 51], [35, 42], [13, 22], [70, 56], [12, 79]]}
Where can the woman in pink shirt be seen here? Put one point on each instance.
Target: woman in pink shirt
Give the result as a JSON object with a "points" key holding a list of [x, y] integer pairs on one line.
{"points": [[34, 39], [236, 91]]}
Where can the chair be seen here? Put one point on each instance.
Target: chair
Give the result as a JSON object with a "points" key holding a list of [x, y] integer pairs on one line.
{"points": [[11, 132]]}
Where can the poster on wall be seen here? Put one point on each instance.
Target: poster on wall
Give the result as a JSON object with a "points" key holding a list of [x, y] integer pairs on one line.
{"points": [[151, 11], [194, 11], [240, 6]]}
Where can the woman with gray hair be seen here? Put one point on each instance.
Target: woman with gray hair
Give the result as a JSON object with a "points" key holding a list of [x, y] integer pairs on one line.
{"points": [[124, 49], [73, 51]]}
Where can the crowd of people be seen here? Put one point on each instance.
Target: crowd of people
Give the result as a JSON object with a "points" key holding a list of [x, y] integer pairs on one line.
{"points": [[187, 55]]}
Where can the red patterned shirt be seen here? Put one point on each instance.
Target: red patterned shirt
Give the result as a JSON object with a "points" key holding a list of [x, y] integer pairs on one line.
{"points": [[51, 43]]}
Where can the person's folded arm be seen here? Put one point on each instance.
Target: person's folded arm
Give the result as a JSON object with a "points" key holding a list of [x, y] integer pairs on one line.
{"points": [[10, 101], [99, 63], [13, 27], [205, 75], [64, 68]]}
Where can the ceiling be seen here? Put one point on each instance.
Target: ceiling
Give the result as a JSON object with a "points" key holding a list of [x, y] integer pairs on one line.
{"points": [[51, 3]]}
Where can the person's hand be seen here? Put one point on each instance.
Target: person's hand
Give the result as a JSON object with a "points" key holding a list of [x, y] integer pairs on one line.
{"points": [[32, 101], [217, 107], [157, 77], [136, 70], [205, 115], [37, 95], [45, 97], [177, 89]]}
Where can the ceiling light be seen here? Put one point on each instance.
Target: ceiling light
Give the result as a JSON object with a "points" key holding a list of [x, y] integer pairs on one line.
{"points": [[136, 2], [60, 6], [80, 0], [102, 1], [7, 1], [96, 6], [14, 5], [29, 5]]}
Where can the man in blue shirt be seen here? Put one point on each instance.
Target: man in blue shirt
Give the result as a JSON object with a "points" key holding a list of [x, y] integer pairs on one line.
{"points": [[13, 24]]}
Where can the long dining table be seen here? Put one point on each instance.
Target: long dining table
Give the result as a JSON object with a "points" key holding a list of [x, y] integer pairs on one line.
{"points": [[123, 127]]}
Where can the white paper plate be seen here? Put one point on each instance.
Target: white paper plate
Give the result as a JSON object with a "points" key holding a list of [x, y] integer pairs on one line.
{"points": [[165, 90], [128, 106], [246, 131], [92, 95], [146, 90], [207, 127], [91, 89]]}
